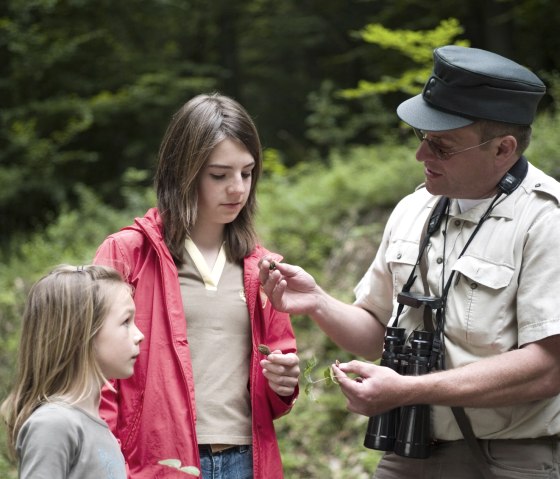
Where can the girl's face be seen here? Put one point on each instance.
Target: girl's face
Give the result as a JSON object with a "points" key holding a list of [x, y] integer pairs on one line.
{"points": [[117, 344], [225, 183]]}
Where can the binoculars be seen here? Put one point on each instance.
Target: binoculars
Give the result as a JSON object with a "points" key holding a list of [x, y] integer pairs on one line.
{"points": [[405, 430]]}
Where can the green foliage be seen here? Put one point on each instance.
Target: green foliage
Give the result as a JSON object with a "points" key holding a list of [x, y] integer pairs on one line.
{"points": [[544, 150], [80, 94], [336, 123], [70, 238], [323, 121], [296, 212], [87, 86], [320, 438], [7, 471], [415, 45]]}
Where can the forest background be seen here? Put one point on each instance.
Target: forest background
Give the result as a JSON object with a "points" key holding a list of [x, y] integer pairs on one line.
{"points": [[87, 88]]}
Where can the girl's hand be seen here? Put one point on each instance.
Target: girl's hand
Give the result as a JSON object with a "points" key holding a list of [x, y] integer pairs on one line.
{"points": [[281, 371]]}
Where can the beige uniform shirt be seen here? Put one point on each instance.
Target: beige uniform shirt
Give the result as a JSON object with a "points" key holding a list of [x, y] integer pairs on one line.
{"points": [[505, 292]]}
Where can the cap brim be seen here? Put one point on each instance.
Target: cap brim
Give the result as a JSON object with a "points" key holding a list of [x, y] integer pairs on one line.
{"points": [[419, 114]]}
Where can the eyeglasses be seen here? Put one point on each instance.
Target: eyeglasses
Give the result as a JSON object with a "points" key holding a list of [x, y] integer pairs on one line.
{"points": [[440, 153]]}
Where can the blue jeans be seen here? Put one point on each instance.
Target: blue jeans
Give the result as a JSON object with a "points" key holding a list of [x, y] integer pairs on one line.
{"points": [[233, 463]]}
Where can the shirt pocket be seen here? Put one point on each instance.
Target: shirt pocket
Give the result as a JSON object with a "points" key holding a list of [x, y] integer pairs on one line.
{"points": [[401, 256], [482, 301]]}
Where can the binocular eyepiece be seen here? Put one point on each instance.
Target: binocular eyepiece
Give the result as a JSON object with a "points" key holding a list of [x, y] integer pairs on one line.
{"points": [[406, 430]]}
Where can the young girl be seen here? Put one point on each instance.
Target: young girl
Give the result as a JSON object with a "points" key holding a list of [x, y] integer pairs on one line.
{"points": [[202, 392], [78, 330]]}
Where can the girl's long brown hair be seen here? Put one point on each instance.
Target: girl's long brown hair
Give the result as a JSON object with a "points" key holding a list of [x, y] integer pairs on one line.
{"points": [[192, 134], [56, 359]]}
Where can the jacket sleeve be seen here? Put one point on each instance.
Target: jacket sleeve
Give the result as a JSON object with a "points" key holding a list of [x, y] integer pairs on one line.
{"points": [[108, 406], [110, 253]]}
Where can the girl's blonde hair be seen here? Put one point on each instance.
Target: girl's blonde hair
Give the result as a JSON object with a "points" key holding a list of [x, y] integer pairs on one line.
{"points": [[56, 360], [193, 133]]}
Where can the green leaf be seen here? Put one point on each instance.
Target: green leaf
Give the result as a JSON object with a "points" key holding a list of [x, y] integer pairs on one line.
{"points": [[329, 376], [309, 366]]}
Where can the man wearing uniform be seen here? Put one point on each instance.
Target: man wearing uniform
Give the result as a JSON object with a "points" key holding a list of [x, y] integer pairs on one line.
{"points": [[471, 258]]}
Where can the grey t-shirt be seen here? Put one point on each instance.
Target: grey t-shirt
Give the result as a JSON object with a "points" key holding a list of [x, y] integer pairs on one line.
{"points": [[61, 441]]}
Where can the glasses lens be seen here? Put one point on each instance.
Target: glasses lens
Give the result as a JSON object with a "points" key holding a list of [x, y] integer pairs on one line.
{"points": [[419, 134], [435, 149]]}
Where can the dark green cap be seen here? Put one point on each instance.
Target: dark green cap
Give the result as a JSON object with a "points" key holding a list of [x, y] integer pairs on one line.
{"points": [[468, 84]]}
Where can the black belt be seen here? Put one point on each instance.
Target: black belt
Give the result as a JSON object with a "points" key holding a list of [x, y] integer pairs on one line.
{"points": [[207, 448]]}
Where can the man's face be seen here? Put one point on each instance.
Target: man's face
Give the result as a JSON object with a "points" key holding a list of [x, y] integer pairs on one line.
{"points": [[470, 174]]}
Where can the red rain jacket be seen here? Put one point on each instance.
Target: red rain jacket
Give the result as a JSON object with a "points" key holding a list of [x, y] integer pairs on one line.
{"points": [[152, 414]]}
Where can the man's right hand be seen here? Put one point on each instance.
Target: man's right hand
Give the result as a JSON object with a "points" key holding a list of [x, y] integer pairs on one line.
{"points": [[289, 288]]}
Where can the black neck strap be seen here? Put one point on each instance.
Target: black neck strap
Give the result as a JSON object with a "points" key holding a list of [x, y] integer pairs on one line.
{"points": [[513, 178]]}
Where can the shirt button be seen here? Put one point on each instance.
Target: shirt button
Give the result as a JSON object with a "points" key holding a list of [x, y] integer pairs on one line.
{"points": [[474, 285], [457, 223], [399, 256], [439, 260]]}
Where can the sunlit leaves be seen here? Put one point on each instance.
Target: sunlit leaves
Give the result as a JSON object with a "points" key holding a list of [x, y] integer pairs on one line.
{"points": [[417, 45]]}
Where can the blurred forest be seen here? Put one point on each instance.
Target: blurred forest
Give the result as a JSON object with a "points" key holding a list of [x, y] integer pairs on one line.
{"points": [[87, 88]]}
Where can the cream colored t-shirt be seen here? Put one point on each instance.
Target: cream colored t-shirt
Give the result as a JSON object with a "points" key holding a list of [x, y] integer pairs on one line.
{"points": [[219, 334], [505, 294]]}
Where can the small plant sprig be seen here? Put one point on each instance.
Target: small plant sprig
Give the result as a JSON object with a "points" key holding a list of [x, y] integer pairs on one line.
{"points": [[176, 464], [328, 376]]}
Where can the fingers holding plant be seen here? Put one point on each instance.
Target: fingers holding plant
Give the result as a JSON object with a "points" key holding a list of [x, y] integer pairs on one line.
{"points": [[281, 370], [290, 288], [374, 390]]}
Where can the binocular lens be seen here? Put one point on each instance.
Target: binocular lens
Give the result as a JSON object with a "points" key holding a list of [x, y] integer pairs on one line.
{"points": [[406, 430]]}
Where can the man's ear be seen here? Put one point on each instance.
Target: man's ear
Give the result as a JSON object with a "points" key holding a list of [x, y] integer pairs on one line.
{"points": [[507, 150], [506, 157]]}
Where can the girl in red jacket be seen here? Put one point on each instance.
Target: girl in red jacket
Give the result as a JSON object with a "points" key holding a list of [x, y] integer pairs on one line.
{"points": [[202, 392]]}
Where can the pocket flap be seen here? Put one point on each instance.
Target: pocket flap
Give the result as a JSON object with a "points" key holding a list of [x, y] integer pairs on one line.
{"points": [[402, 252], [492, 275]]}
